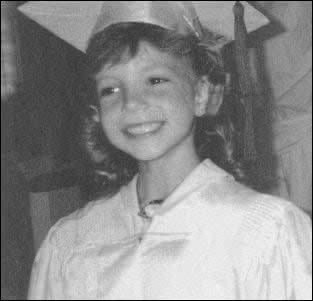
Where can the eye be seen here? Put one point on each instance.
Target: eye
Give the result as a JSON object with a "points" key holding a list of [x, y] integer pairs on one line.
{"points": [[108, 91], [157, 80]]}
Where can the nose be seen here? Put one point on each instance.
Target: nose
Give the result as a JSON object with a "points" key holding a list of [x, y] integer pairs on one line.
{"points": [[135, 99]]}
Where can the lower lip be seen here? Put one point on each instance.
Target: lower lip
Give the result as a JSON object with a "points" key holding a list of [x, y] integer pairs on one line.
{"points": [[144, 129]]}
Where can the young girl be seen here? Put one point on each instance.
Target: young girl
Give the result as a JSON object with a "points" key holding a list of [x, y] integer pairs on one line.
{"points": [[172, 224]]}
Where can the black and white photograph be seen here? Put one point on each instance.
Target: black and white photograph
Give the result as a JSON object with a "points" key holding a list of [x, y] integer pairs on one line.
{"points": [[156, 150]]}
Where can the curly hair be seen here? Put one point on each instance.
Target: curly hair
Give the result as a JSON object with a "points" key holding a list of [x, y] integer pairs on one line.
{"points": [[214, 135]]}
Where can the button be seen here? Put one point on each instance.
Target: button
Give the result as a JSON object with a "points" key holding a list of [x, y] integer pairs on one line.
{"points": [[142, 213], [148, 211]]}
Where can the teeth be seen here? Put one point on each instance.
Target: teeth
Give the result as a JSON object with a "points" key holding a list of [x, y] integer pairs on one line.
{"points": [[144, 128]]}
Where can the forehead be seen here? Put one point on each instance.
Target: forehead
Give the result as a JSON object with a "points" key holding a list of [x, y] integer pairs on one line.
{"points": [[148, 58]]}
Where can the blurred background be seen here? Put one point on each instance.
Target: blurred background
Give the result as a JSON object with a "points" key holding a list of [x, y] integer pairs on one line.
{"points": [[44, 173], [43, 170]]}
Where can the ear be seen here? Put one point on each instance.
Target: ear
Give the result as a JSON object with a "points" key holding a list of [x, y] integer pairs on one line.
{"points": [[215, 100], [209, 97], [201, 96], [95, 113]]}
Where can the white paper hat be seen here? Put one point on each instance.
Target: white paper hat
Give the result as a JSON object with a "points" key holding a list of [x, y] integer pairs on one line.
{"points": [[77, 21]]}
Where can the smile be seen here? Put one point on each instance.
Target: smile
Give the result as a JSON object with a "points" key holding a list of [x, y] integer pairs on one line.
{"points": [[144, 128]]}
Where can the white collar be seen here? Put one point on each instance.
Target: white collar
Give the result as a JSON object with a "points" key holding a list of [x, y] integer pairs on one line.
{"points": [[203, 175]]}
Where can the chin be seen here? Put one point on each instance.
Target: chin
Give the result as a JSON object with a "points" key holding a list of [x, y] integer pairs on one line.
{"points": [[147, 154]]}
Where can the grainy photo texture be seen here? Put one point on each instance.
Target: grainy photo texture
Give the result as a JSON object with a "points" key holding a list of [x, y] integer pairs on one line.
{"points": [[156, 150]]}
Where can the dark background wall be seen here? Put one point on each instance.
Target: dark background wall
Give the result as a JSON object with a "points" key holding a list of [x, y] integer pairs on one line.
{"points": [[47, 101], [41, 119]]}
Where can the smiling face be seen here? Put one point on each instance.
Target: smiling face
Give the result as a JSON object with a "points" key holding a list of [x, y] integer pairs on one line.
{"points": [[148, 103]]}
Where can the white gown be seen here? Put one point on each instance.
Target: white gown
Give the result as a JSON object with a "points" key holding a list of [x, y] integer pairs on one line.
{"points": [[211, 239]]}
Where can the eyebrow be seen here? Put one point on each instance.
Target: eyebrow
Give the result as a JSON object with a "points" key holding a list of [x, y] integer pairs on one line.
{"points": [[149, 67], [146, 69]]}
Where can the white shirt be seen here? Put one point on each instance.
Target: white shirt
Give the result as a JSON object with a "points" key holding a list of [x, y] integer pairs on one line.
{"points": [[212, 238]]}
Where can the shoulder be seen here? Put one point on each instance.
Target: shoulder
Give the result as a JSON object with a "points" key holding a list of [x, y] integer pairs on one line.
{"points": [[261, 223], [247, 202], [88, 224], [250, 217], [260, 211]]}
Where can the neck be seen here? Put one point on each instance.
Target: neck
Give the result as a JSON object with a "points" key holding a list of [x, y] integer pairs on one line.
{"points": [[158, 178]]}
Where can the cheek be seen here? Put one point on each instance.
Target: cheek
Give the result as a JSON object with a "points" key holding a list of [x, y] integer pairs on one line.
{"points": [[182, 100], [109, 122]]}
